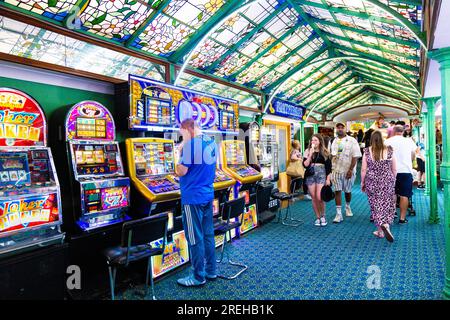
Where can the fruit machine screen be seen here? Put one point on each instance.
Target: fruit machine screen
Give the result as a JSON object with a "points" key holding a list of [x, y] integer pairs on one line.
{"points": [[221, 176], [96, 159], [158, 110], [235, 153], [101, 199], [27, 168], [154, 161], [90, 128]]}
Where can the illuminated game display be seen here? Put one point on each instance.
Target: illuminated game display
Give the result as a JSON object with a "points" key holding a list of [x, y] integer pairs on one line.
{"points": [[268, 160], [234, 162], [151, 164], [97, 166], [159, 106], [30, 207], [249, 219]]}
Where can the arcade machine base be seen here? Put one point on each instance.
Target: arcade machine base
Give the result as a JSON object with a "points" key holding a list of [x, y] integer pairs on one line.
{"points": [[267, 211], [35, 275]]}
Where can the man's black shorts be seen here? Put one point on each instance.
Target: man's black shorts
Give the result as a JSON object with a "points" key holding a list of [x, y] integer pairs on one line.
{"points": [[404, 185]]}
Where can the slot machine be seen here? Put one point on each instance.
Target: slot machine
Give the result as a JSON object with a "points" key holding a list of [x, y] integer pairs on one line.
{"points": [[31, 240], [262, 154], [101, 192], [234, 163]]}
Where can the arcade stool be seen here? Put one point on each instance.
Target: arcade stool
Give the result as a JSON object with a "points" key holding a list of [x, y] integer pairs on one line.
{"points": [[231, 210], [135, 245], [296, 183]]}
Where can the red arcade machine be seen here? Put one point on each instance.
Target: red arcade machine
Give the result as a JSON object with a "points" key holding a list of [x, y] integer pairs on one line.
{"points": [[30, 201]]}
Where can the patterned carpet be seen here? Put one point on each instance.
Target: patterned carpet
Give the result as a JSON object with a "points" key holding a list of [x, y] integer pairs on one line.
{"points": [[332, 262]]}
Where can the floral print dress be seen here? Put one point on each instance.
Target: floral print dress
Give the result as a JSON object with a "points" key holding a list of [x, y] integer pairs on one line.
{"points": [[380, 188]]}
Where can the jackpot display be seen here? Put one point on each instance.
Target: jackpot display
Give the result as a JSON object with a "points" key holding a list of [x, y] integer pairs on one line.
{"points": [[30, 207], [97, 166], [158, 106]]}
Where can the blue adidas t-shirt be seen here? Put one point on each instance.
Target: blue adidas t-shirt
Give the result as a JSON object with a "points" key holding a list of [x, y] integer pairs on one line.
{"points": [[199, 155]]}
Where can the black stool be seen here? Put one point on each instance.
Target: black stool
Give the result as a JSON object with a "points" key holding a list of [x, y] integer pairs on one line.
{"points": [[231, 210], [135, 246], [296, 183]]}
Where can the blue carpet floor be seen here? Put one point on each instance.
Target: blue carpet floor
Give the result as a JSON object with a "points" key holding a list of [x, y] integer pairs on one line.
{"points": [[331, 262]]}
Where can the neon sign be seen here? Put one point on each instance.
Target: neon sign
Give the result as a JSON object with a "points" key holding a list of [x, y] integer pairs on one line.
{"points": [[22, 122]]}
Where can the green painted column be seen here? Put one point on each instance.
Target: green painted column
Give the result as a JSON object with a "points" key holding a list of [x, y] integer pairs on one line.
{"points": [[302, 136], [426, 142], [316, 128], [431, 157], [443, 57]]}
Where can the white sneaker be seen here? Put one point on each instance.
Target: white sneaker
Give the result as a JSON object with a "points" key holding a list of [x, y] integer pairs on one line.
{"points": [[348, 212], [317, 223], [307, 197], [338, 218], [323, 222]]}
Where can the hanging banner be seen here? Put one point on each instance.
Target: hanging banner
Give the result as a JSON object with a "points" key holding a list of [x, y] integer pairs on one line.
{"points": [[22, 121], [287, 109]]}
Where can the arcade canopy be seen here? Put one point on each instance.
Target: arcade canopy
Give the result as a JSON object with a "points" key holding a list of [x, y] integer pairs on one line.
{"points": [[326, 55]]}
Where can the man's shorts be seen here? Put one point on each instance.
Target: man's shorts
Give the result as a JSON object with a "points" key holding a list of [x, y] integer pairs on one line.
{"points": [[404, 185], [341, 183]]}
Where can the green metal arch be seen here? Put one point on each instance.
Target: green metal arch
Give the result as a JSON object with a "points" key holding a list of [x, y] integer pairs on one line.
{"points": [[356, 85], [369, 105], [341, 58], [402, 20]]}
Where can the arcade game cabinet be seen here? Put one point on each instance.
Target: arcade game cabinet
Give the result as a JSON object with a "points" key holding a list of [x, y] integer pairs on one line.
{"points": [[98, 192], [32, 253], [262, 154], [234, 163]]}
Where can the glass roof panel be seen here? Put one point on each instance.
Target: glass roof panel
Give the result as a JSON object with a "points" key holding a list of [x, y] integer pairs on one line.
{"points": [[27, 41], [50, 9]]}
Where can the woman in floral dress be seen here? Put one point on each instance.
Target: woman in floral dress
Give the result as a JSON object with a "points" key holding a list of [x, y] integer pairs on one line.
{"points": [[378, 173]]}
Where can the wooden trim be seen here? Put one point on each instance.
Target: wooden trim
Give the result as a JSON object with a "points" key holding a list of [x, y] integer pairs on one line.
{"points": [[31, 20], [250, 109], [57, 68]]}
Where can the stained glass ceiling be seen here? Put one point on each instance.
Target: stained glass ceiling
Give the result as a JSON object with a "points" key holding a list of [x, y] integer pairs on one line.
{"points": [[317, 53]]}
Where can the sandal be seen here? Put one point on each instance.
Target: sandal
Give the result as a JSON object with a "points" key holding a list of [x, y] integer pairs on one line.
{"points": [[387, 232], [378, 234]]}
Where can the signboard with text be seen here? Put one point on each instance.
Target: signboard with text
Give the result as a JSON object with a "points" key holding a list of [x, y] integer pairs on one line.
{"points": [[286, 109]]}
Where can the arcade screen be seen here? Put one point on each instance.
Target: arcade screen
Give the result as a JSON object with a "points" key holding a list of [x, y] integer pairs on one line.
{"points": [[154, 158], [158, 112], [101, 199], [90, 128], [96, 159], [235, 153], [14, 170]]}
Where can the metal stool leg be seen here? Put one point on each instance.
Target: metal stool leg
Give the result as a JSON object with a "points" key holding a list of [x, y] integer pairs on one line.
{"points": [[150, 274], [112, 280], [230, 262], [288, 220]]}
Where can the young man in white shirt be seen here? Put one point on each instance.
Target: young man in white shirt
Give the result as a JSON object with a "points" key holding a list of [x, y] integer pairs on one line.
{"points": [[345, 152], [404, 153]]}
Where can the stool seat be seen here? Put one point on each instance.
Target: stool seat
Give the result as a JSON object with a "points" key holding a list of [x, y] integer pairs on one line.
{"points": [[285, 196], [118, 255], [224, 227]]}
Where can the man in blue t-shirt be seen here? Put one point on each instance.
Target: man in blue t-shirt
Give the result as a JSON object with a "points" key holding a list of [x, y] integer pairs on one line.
{"points": [[196, 169]]}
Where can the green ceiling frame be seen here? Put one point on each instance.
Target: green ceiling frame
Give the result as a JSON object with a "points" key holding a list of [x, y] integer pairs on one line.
{"points": [[197, 37], [159, 9], [337, 98], [266, 50], [323, 86], [339, 65], [357, 14], [377, 58], [409, 43], [247, 37], [375, 47], [387, 82], [374, 68], [288, 56], [295, 69]]}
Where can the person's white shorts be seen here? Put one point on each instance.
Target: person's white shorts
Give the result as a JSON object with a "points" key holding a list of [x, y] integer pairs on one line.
{"points": [[340, 183]]}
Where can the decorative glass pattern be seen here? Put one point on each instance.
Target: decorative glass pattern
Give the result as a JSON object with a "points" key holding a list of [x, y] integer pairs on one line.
{"points": [[53, 9], [27, 41]]}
